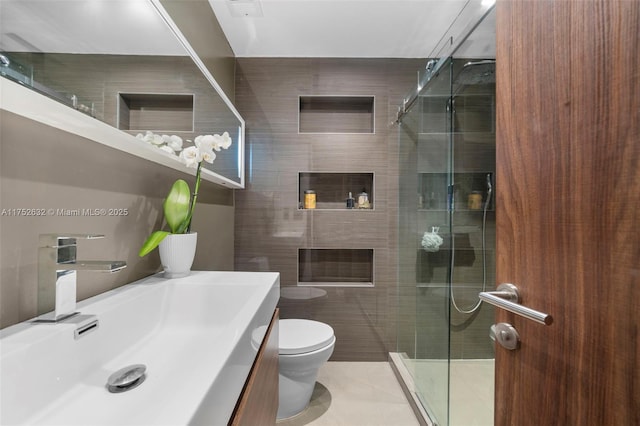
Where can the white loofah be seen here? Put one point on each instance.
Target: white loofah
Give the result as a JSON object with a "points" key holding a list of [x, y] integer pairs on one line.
{"points": [[431, 241]]}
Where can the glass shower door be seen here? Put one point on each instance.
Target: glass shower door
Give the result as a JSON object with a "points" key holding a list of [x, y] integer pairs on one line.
{"points": [[473, 244], [424, 243], [447, 241]]}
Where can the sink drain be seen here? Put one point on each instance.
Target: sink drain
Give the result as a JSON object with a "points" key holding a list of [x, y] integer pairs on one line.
{"points": [[126, 378]]}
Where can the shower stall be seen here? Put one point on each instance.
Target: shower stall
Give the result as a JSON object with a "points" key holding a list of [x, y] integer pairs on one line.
{"points": [[446, 241]]}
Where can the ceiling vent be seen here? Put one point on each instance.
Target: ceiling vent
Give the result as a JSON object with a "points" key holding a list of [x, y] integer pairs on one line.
{"points": [[245, 8]]}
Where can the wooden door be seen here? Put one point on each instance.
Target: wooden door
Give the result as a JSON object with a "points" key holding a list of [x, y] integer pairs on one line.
{"points": [[568, 210]]}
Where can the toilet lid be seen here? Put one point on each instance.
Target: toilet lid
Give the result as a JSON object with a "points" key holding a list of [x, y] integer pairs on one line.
{"points": [[298, 336]]}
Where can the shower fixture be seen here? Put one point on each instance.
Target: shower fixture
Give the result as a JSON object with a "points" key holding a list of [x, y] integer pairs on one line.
{"points": [[474, 73], [489, 178]]}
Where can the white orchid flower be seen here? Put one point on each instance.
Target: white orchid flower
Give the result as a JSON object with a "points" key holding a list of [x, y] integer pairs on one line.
{"points": [[223, 141], [144, 137], [204, 142], [175, 142], [167, 148], [156, 139], [191, 156], [208, 156], [147, 137]]}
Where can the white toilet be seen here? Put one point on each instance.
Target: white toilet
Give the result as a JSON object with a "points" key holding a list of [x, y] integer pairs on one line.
{"points": [[304, 346]]}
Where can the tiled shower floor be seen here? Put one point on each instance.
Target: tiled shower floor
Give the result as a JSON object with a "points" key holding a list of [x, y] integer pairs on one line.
{"points": [[471, 393]]}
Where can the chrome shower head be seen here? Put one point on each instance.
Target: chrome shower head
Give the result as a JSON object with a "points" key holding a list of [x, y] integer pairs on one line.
{"points": [[474, 74]]}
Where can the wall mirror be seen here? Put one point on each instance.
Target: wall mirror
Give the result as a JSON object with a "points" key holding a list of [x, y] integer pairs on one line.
{"points": [[123, 63]]}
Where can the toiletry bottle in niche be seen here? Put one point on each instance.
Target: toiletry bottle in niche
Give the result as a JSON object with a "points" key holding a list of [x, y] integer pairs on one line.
{"points": [[474, 200], [350, 201], [432, 200], [309, 199], [363, 200]]}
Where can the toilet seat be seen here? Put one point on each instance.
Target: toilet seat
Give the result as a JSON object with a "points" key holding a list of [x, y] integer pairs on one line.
{"points": [[298, 336]]}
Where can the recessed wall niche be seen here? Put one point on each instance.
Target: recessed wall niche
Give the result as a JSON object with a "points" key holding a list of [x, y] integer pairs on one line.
{"points": [[335, 267], [336, 114], [332, 189], [155, 111]]}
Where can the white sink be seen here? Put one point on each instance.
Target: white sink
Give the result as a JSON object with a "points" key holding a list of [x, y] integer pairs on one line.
{"points": [[193, 334]]}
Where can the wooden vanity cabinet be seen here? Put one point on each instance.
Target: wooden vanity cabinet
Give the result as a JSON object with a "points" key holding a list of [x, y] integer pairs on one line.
{"points": [[258, 403]]}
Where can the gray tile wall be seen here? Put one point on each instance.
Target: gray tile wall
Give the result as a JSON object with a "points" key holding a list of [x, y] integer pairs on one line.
{"points": [[42, 167], [269, 227]]}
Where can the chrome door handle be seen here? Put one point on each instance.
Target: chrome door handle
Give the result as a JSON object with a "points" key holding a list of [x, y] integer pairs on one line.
{"points": [[507, 297]]}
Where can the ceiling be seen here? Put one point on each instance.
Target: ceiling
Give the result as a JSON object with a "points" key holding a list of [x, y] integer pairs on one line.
{"points": [[127, 27], [337, 28], [254, 28]]}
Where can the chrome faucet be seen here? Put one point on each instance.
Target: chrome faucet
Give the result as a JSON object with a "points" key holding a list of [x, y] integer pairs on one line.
{"points": [[57, 266]]}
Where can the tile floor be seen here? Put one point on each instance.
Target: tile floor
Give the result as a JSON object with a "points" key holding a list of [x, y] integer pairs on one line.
{"points": [[356, 394]]}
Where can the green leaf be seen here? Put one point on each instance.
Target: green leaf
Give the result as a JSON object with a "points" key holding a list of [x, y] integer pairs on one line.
{"points": [[184, 226], [176, 206], [152, 242]]}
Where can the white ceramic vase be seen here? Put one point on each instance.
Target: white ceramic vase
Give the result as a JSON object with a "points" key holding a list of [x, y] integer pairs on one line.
{"points": [[177, 252]]}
